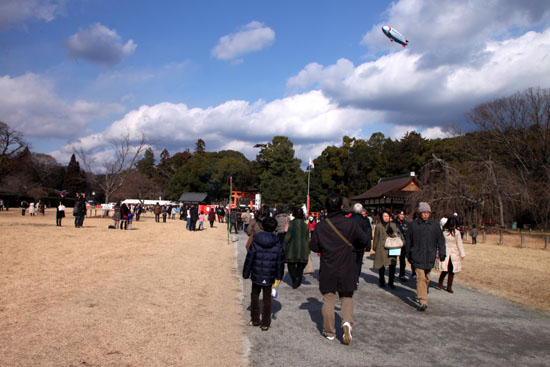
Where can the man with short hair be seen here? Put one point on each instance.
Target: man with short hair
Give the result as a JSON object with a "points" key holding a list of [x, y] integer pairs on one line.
{"points": [[424, 239], [360, 216], [403, 226], [335, 238]]}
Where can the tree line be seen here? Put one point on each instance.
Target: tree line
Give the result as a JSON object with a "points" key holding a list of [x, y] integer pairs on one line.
{"points": [[498, 172]]}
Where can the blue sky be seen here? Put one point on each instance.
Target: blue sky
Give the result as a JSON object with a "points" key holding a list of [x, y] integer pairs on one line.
{"points": [[79, 73]]}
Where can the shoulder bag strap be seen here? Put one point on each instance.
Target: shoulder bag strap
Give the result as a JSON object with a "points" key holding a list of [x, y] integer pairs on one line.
{"points": [[338, 233]]}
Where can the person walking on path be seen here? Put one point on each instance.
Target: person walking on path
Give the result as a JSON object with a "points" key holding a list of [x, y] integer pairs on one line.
{"points": [[455, 253], [24, 206], [194, 212], [473, 233], [201, 221], [403, 227], [424, 241], [116, 214], [157, 210], [382, 231], [124, 215], [282, 224], [232, 220], [82, 208], [59, 214], [264, 264], [211, 217], [334, 238], [31, 209], [164, 213], [360, 215], [296, 246]]}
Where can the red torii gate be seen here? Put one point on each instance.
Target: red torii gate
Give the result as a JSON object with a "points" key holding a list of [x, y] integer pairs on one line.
{"points": [[236, 195]]}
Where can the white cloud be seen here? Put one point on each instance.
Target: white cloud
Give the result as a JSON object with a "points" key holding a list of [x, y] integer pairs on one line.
{"points": [[30, 105], [254, 36], [99, 45], [455, 31], [13, 12], [308, 119], [406, 94]]}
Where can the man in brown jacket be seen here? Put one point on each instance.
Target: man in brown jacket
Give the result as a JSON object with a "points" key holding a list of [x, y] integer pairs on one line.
{"points": [[157, 209]]}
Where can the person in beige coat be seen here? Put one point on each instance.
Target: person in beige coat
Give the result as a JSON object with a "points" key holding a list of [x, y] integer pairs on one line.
{"points": [[382, 259], [455, 253]]}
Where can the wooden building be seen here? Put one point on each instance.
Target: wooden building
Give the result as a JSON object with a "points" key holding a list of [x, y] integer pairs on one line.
{"points": [[391, 193]]}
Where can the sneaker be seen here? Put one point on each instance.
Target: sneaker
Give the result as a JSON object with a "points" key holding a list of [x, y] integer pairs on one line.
{"points": [[347, 332], [328, 337], [403, 279], [252, 323], [423, 306], [264, 328]]}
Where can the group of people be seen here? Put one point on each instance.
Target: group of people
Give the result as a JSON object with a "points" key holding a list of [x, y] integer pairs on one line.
{"points": [[341, 239], [33, 208]]}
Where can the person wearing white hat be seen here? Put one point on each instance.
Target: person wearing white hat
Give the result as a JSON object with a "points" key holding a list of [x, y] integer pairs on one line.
{"points": [[424, 240]]}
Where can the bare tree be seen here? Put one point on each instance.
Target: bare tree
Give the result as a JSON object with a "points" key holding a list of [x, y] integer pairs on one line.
{"points": [[116, 170], [519, 126], [11, 143]]}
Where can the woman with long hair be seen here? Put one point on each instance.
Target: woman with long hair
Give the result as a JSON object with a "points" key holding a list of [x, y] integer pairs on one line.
{"points": [[382, 258], [455, 253]]}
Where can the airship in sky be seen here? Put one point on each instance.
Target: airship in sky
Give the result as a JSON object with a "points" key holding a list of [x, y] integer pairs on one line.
{"points": [[394, 35]]}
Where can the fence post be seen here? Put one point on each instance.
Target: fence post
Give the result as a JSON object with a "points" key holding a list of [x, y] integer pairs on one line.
{"points": [[501, 242], [484, 237], [522, 240]]}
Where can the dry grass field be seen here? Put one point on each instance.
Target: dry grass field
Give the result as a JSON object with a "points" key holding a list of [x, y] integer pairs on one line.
{"points": [[159, 295], [154, 296], [519, 274]]}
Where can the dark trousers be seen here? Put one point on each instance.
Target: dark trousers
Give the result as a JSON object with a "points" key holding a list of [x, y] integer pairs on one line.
{"points": [[81, 221], [157, 218], [391, 275], [211, 224], [233, 225], [193, 225], [77, 222], [296, 271], [255, 305], [474, 240], [359, 261], [58, 221], [164, 218]]}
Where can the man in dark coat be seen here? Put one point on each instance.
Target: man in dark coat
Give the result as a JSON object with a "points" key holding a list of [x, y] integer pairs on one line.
{"points": [[194, 217], [424, 239], [334, 238], [360, 216], [83, 209]]}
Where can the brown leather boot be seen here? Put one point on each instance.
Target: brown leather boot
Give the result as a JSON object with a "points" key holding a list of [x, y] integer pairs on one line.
{"points": [[441, 279], [450, 283]]}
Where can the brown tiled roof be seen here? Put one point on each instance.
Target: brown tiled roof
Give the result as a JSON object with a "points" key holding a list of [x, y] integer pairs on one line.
{"points": [[389, 187]]}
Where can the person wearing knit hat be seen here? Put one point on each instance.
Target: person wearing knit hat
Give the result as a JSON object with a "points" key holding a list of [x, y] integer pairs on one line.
{"points": [[424, 242], [424, 207]]}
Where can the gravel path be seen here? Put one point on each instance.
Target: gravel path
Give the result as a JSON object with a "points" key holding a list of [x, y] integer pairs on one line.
{"points": [[467, 328]]}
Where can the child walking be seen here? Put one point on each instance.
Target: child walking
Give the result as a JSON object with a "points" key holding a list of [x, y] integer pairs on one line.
{"points": [[264, 264]]}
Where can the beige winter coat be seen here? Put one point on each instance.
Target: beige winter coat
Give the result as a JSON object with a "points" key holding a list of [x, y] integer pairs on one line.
{"points": [[455, 251], [381, 254]]}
